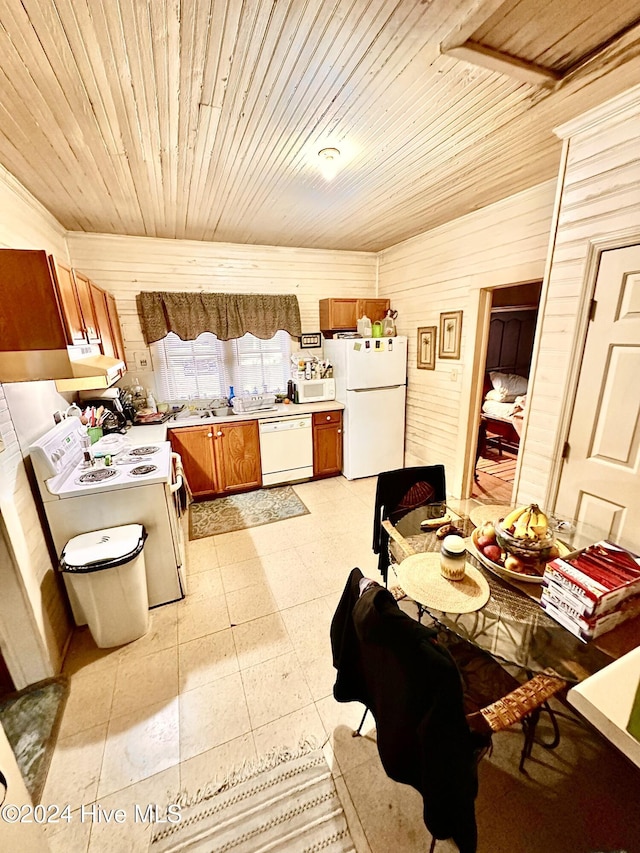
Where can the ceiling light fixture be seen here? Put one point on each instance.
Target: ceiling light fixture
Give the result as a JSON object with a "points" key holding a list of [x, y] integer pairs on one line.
{"points": [[329, 162]]}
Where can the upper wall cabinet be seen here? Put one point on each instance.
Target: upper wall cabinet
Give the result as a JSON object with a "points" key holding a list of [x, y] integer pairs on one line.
{"points": [[31, 316], [338, 315], [114, 324], [83, 287], [108, 326], [45, 307], [33, 334], [71, 313]]}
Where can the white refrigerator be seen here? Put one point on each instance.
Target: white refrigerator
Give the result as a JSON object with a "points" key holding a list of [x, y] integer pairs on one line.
{"points": [[371, 381]]}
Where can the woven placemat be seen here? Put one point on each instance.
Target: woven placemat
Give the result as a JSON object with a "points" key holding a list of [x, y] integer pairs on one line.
{"points": [[488, 512], [419, 576]]}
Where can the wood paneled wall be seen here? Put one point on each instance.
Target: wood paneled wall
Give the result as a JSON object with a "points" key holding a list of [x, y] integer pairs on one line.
{"points": [[600, 198], [127, 265], [39, 606], [444, 270]]}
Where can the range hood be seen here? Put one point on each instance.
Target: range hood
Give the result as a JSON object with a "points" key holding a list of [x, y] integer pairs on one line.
{"points": [[35, 365], [91, 372]]}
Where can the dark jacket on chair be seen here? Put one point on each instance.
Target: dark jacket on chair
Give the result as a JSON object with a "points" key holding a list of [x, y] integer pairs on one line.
{"points": [[392, 664]]}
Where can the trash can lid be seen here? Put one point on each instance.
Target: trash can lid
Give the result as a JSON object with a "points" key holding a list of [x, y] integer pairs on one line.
{"points": [[103, 549]]}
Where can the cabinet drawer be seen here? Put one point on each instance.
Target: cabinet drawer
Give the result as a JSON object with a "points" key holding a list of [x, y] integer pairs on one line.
{"points": [[320, 418]]}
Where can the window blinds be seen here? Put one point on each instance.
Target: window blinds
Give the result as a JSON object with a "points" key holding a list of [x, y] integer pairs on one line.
{"points": [[206, 367]]}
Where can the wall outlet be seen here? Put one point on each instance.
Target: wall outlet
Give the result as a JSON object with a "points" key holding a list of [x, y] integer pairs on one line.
{"points": [[454, 374], [143, 361]]}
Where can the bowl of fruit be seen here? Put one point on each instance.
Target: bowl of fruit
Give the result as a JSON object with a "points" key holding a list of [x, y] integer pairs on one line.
{"points": [[518, 546]]}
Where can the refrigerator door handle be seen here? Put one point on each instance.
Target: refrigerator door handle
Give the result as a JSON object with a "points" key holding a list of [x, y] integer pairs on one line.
{"points": [[379, 388]]}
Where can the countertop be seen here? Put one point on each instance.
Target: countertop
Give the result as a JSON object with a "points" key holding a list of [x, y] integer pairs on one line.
{"points": [[158, 432], [606, 699]]}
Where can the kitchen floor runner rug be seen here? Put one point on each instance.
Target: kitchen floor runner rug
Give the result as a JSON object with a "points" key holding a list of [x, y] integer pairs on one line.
{"points": [[31, 720], [237, 512], [285, 801]]}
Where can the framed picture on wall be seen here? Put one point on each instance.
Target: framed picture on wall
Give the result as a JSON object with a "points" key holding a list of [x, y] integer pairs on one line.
{"points": [[427, 347], [450, 334]]}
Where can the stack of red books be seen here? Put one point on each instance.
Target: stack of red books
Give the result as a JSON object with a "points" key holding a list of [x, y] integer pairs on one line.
{"points": [[591, 591]]}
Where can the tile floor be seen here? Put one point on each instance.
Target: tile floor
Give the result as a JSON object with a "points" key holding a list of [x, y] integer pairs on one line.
{"points": [[243, 665]]}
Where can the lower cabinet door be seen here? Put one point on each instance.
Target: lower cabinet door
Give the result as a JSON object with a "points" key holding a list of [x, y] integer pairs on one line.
{"points": [[327, 444], [195, 446], [237, 456]]}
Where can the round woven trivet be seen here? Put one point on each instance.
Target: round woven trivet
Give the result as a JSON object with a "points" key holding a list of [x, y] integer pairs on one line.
{"points": [[419, 576], [488, 512]]}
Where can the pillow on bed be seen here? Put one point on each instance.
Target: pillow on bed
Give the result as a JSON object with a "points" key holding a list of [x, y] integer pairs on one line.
{"points": [[507, 386]]}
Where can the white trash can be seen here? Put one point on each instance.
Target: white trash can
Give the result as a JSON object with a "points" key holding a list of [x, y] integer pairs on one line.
{"points": [[107, 574]]}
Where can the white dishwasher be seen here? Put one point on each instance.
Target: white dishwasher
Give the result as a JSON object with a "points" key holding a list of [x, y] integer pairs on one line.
{"points": [[286, 449]]}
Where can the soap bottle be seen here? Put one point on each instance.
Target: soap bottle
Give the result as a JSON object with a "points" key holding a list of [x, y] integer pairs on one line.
{"points": [[151, 401], [231, 395]]}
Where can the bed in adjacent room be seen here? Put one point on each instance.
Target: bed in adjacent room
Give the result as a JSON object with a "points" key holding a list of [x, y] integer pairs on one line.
{"points": [[503, 405], [504, 395]]}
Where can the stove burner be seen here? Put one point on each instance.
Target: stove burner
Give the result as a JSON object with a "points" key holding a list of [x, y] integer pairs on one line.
{"points": [[97, 476], [143, 451], [140, 470]]}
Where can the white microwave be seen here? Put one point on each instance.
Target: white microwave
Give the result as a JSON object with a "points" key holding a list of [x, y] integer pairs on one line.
{"points": [[315, 390]]}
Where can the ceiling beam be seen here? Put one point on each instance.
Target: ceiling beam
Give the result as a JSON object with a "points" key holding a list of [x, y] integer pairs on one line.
{"points": [[474, 16], [528, 72]]}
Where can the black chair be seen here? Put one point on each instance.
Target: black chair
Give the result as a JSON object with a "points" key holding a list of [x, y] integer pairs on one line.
{"points": [[425, 682], [397, 493]]}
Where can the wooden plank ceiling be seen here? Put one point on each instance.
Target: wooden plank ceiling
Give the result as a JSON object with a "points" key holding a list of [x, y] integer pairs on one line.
{"points": [[202, 119]]}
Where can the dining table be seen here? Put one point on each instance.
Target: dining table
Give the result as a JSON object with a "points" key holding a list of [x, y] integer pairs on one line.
{"points": [[512, 626]]}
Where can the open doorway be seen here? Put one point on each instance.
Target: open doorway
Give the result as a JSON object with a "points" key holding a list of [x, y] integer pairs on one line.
{"points": [[505, 375]]}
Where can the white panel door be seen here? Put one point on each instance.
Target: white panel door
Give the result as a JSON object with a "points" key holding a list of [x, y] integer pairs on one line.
{"points": [[376, 362], [373, 431], [599, 484]]}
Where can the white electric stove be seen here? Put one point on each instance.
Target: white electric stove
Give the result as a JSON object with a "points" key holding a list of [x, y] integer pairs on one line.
{"points": [[139, 485]]}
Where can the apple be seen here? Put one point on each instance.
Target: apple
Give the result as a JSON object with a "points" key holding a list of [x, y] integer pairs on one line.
{"points": [[514, 564], [554, 553], [485, 541], [493, 553], [488, 531]]}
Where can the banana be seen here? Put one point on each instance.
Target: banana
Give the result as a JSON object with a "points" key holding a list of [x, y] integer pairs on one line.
{"points": [[541, 525], [436, 522], [533, 522], [511, 518], [521, 530], [528, 522]]}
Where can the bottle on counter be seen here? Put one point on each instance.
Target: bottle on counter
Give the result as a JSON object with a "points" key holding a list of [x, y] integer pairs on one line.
{"points": [[231, 395], [388, 324], [151, 401]]}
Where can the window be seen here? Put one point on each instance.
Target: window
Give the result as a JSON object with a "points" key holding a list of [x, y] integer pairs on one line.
{"points": [[206, 367]]}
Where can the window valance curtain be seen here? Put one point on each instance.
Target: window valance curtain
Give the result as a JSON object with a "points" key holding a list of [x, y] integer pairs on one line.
{"points": [[227, 315]]}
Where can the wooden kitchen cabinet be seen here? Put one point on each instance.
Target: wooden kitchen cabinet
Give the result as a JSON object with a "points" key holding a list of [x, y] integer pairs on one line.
{"points": [[101, 313], [83, 287], [327, 443], [237, 456], [114, 323], [195, 446], [220, 458], [342, 314], [108, 325], [374, 309], [71, 313], [30, 310]]}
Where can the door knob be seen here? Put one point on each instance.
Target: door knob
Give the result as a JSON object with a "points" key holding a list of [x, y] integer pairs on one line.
{"points": [[339, 431], [209, 435], [219, 434]]}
